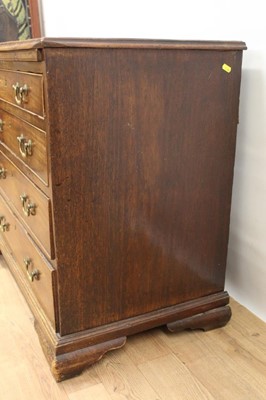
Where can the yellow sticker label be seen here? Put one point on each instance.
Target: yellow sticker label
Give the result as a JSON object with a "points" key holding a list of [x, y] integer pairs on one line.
{"points": [[226, 68]]}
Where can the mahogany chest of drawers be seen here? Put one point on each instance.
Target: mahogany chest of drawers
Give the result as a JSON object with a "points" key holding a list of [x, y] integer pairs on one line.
{"points": [[116, 167]]}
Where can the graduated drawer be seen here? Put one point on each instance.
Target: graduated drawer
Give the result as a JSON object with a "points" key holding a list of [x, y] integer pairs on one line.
{"points": [[26, 142], [37, 272], [23, 89], [30, 203]]}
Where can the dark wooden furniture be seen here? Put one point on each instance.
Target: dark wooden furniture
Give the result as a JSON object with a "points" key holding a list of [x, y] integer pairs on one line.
{"points": [[116, 171]]}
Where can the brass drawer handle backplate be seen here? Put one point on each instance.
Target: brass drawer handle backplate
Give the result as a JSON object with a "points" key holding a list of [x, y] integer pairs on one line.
{"points": [[25, 146], [2, 173], [21, 93], [27, 207], [1, 125], [34, 273], [4, 226]]}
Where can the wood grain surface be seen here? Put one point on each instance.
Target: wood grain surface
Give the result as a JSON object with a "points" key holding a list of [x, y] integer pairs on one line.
{"points": [[156, 142]]}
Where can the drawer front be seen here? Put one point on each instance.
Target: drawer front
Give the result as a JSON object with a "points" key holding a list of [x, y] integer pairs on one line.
{"points": [[26, 142], [22, 89], [31, 204], [36, 270]]}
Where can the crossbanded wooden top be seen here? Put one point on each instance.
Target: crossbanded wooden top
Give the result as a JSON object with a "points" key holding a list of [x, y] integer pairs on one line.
{"points": [[122, 43]]}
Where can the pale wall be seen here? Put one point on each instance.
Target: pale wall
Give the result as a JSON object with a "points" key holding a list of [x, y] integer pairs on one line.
{"points": [[210, 20]]}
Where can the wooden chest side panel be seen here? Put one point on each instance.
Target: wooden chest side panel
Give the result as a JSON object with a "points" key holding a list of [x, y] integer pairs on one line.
{"points": [[142, 153]]}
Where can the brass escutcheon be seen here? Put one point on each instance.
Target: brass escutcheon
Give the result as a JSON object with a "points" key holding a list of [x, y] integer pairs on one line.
{"points": [[25, 146], [34, 273], [21, 93], [2, 173], [27, 207], [4, 226]]}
